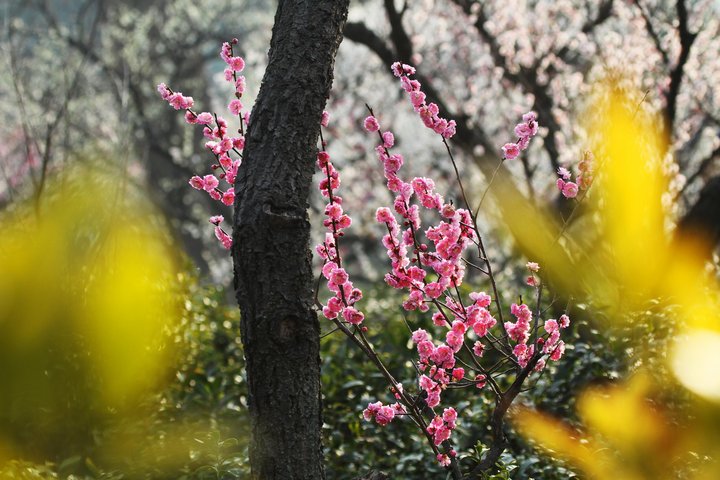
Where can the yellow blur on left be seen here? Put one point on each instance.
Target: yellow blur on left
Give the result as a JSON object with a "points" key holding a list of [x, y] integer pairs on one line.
{"points": [[86, 301]]}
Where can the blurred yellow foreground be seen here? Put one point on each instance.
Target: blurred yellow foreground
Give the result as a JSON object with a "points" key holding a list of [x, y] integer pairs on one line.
{"points": [[85, 308], [622, 255]]}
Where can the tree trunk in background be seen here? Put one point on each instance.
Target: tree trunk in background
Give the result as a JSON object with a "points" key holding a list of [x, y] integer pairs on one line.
{"points": [[701, 223], [273, 274]]}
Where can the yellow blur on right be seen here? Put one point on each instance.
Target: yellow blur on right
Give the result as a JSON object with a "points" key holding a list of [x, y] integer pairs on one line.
{"points": [[655, 424]]}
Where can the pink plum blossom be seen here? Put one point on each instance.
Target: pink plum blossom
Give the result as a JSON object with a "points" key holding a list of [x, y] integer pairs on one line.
{"points": [[353, 316], [224, 238], [385, 415], [197, 182], [371, 124], [564, 173], [228, 197], [235, 107], [510, 150], [236, 63], [570, 190], [211, 182], [205, 118]]}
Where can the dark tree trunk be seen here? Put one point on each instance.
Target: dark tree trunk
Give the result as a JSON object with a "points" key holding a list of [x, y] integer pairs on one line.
{"points": [[701, 224], [273, 275]]}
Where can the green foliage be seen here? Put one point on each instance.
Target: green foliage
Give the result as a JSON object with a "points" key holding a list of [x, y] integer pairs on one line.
{"points": [[197, 427], [20, 470], [350, 382]]}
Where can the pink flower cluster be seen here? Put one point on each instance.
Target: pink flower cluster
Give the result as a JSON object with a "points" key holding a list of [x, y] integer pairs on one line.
{"points": [[449, 237], [553, 345], [429, 113], [520, 333], [338, 281], [444, 458], [524, 131], [570, 189], [215, 129], [439, 361], [383, 414], [235, 65], [567, 188], [440, 256], [533, 267], [441, 427], [176, 99], [428, 264], [345, 294], [220, 234]]}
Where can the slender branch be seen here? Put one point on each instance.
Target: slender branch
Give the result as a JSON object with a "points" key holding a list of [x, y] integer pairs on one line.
{"points": [[676, 75], [497, 420], [481, 247]]}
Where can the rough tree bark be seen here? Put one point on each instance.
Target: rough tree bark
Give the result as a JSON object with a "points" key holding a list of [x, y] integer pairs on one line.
{"points": [[271, 254]]}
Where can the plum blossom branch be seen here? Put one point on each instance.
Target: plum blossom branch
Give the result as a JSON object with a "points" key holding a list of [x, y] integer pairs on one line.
{"points": [[220, 143], [429, 266]]}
